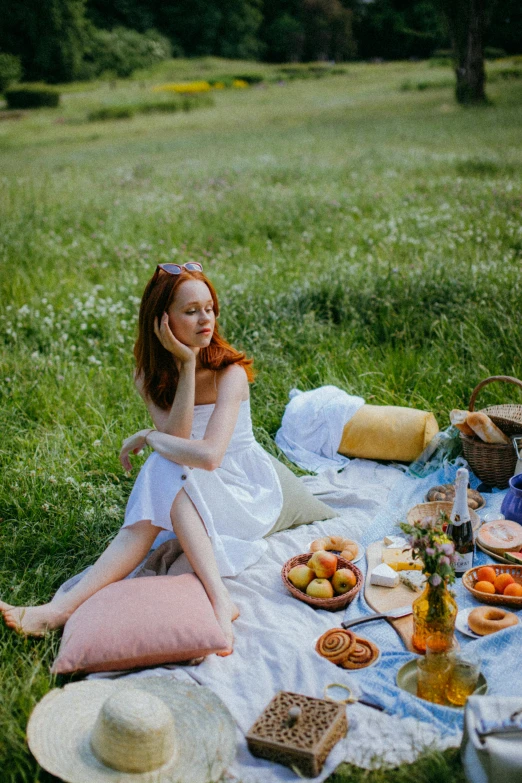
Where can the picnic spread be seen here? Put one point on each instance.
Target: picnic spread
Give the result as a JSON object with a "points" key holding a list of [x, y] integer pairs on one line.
{"points": [[341, 652]]}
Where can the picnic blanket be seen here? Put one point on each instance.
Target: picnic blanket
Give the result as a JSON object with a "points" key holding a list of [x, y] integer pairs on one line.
{"points": [[276, 635]]}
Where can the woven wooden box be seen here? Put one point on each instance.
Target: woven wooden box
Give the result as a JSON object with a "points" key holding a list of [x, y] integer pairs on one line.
{"points": [[304, 745]]}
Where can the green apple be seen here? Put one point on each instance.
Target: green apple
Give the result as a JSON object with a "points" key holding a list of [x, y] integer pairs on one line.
{"points": [[343, 580], [323, 563], [301, 576], [320, 588]]}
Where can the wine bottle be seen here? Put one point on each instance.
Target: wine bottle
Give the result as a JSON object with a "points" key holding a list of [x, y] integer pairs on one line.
{"points": [[460, 529]]}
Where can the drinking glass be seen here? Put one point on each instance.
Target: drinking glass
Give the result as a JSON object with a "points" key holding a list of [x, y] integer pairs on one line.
{"points": [[463, 677], [432, 679], [439, 645]]}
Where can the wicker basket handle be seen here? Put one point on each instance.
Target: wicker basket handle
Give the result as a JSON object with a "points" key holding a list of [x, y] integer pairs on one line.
{"points": [[485, 382]]}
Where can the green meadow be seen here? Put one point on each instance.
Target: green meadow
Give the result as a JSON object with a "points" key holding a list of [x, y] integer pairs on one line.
{"points": [[361, 229]]}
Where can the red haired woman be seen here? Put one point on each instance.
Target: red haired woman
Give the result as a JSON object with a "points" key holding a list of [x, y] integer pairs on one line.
{"points": [[207, 480]]}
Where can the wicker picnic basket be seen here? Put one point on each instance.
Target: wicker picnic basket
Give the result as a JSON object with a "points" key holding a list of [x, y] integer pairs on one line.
{"points": [[331, 604], [494, 464], [512, 601], [432, 510]]}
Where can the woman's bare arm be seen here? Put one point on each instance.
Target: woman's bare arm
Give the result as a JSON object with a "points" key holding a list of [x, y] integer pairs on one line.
{"points": [[207, 452], [177, 421]]}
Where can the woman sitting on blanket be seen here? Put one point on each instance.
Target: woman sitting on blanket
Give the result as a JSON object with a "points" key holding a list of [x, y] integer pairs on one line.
{"points": [[207, 480]]}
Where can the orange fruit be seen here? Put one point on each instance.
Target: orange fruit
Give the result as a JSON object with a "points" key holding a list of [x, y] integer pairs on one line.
{"points": [[486, 574], [502, 581], [513, 589], [484, 587]]}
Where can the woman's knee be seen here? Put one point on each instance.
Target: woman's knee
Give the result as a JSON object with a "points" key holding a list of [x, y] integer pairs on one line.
{"points": [[144, 530]]}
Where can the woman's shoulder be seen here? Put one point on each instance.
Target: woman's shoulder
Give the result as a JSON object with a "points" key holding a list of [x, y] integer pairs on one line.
{"points": [[139, 383], [233, 378]]}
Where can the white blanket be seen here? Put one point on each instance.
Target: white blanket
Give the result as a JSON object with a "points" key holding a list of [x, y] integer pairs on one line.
{"points": [[275, 638]]}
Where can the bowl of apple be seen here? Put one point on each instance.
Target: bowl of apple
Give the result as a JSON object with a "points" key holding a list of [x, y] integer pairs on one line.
{"points": [[323, 579]]}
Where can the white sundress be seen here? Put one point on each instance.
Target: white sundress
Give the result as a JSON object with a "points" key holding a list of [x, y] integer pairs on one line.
{"points": [[239, 502]]}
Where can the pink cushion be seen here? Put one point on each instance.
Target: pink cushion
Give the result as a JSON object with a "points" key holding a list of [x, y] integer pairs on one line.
{"points": [[140, 622]]}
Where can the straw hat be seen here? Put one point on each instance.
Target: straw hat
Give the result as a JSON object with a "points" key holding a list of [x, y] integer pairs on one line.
{"points": [[150, 730]]}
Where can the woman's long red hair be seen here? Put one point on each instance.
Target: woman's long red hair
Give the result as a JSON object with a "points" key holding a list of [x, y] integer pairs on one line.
{"points": [[154, 364]]}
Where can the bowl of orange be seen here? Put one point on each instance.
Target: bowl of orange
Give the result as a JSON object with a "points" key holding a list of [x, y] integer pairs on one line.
{"points": [[499, 585]]}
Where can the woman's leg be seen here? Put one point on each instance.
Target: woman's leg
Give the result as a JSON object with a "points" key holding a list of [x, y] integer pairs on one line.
{"points": [[190, 530], [122, 555]]}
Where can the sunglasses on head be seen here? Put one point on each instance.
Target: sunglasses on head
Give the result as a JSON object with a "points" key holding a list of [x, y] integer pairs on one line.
{"points": [[176, 269]]}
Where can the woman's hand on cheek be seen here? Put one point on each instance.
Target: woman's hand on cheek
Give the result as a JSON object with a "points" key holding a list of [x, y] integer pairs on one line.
{"points": [[183, 353]]}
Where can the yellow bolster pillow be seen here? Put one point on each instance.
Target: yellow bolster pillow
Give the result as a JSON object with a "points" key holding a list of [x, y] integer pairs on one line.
{"points": [[388, 432]]}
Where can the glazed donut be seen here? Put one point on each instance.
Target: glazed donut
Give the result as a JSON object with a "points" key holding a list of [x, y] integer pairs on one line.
{"points": [[345, 546], [335, 644], [363, 654], [489, 619]]}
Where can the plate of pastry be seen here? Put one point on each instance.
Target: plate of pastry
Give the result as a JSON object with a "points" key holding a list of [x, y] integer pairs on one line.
{"points": [[345, 547], [479, 621], [461, 623], [345, 649]]}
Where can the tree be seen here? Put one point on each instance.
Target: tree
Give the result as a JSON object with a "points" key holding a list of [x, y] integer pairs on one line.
{"points": [[397, 29], [49, 37], [10, 70], [122, 51], [227, 28], [285, 39], [137, 15], [328, 30], [467, 22], [505, 29]]}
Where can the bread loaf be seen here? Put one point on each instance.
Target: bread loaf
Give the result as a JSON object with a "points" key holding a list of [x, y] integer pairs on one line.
{"points": [[482, 426], [459, 420]]}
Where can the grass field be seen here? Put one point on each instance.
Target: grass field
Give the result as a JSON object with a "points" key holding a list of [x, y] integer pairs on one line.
{"points": [[359, 234]]}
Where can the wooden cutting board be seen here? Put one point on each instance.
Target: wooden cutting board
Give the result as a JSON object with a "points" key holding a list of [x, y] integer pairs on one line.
{"points": [[382, 599]]}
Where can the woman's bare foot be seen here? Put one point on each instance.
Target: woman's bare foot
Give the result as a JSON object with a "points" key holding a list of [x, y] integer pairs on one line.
{"points": [[32, 620]]}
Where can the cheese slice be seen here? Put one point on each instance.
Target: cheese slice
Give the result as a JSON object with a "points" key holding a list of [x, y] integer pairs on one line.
{"points": [[401, 559], [397, 542], [384, 575], [415, 580]]}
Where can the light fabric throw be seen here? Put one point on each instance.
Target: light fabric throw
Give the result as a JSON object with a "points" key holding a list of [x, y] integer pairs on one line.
{"points": [[312, 427]]}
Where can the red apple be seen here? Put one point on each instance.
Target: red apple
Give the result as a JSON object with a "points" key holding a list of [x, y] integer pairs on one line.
{"points": [[323, 564], [320, 588], [301, 576], [343, 580]]}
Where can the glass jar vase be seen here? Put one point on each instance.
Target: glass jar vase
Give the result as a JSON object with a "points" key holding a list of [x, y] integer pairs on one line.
{"points": [[434, 612]]}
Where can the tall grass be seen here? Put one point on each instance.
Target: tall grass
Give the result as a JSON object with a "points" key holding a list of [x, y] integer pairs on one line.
{"points": [[357, 235]]}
